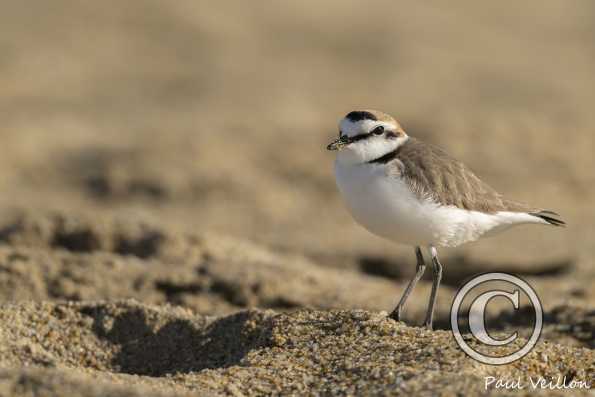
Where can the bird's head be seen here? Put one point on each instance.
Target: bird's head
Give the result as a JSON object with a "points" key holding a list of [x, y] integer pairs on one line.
{"points": [[365, 135]]}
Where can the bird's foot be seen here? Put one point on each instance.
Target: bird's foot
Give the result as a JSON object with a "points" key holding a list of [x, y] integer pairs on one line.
{"points": [[395, 315]]}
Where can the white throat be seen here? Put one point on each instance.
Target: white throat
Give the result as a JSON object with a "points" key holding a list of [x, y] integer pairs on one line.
{"points": [[366, 150]]}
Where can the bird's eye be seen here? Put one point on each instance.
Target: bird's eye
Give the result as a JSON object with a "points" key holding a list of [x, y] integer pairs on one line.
{"points": [[378, 130]]}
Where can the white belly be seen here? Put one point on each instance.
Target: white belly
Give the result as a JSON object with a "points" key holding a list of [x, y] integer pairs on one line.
{"points": [[386, 207]]}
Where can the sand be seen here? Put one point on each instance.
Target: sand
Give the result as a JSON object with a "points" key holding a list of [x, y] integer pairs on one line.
{"points": [[131, 348], [169, 222], [193, 334]]}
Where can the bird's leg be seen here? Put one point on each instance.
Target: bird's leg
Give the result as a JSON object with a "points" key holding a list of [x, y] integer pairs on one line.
{"points": [[421, 267], [437, 276]]}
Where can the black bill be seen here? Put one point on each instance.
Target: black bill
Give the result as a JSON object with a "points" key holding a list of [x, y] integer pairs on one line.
{"points": [[339, 143]]}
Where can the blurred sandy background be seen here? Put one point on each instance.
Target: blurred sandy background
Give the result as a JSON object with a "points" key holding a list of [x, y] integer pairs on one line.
{"points": [[201, 117]]}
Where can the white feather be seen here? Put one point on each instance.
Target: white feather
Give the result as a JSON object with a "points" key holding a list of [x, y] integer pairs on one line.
{"points": [[385, 205]]}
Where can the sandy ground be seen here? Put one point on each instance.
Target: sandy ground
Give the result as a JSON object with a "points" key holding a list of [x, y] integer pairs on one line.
{"points": [[169, 222]]}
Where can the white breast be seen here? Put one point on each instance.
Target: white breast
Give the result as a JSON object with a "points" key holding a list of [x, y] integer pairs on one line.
{"points": [[385, 206]]}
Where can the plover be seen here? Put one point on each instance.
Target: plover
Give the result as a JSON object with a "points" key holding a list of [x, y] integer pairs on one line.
{"points": [[412, 192]]}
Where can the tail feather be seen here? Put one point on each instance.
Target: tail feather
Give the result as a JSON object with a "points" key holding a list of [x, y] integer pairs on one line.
{"points": [[550, 217], [547, 212]]}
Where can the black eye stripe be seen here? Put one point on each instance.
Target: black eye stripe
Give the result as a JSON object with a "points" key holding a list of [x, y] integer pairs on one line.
{"points": [[359, 137]]}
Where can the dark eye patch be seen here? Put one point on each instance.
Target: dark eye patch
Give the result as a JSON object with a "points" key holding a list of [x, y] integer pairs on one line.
{"points": [[376, 131], [360, 137]]}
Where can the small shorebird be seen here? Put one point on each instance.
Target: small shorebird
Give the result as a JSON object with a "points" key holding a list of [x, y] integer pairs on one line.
{"points": [[411, 192]]}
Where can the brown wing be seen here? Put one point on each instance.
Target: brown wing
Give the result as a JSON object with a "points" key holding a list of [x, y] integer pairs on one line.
{"points": [[431, 172]]}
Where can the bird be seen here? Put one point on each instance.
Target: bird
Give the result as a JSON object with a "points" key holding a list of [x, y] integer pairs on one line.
{"points": [[412, 192]]}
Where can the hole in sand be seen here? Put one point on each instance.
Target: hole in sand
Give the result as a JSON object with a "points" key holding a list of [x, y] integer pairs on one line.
{"points": [[178, 346]]}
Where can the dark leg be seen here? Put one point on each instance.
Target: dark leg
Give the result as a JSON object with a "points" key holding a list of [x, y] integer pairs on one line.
{"points": [[421, 267], [437, 276]]}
